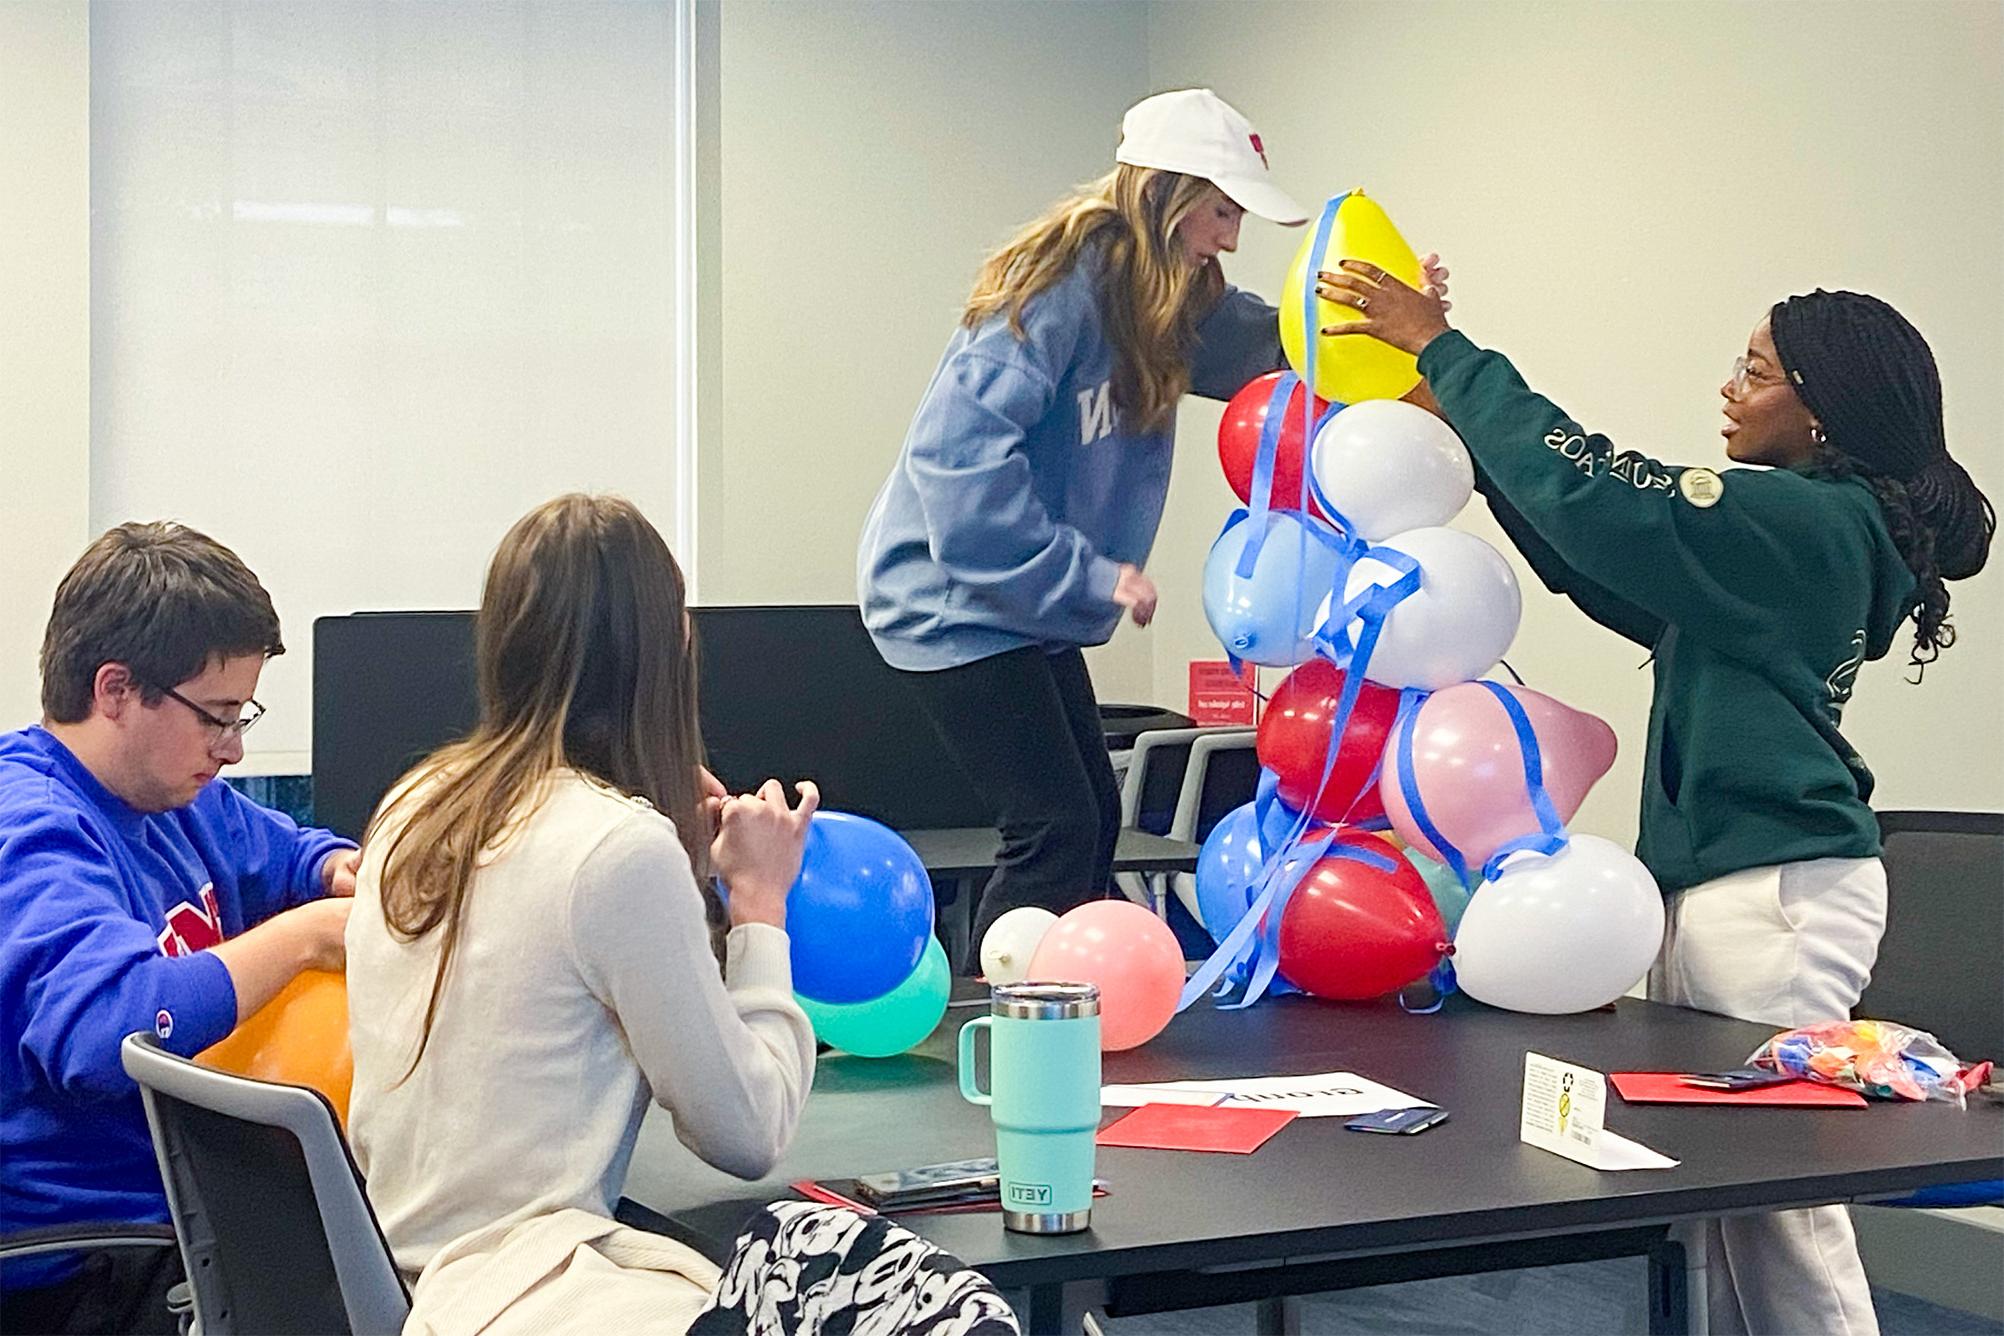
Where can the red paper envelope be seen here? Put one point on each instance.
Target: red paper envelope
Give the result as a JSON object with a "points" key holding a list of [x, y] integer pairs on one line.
{"points": [[1670, 1088], [1196, 1127]]}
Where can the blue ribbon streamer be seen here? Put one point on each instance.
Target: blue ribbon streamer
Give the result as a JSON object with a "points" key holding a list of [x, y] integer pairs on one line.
{"points": [[1402, 741], [1260, 499], [1262, 484], [1441, 980], [1248, 950], [1249, 955], [1550, 837]]}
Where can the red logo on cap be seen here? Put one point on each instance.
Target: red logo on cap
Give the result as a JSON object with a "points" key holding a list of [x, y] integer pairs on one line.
{"points": [[1260, 149]]}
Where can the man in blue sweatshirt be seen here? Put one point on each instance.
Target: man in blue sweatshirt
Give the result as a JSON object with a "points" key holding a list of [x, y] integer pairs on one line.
{"points": [[137, 892]]}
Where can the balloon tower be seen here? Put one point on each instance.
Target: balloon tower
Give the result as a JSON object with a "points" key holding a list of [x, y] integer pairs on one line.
{"points": [[1410, 816]]}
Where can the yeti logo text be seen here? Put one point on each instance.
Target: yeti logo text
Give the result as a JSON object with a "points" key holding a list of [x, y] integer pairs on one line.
{"points": [[1030, 1194], [1096, 413]]}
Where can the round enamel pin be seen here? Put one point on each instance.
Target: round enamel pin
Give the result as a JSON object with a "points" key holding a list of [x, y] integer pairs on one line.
{"points": [[1701, 487]]}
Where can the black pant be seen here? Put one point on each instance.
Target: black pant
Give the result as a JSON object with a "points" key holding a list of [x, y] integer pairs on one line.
{"points": [[1025, 728], [118, 1290]]}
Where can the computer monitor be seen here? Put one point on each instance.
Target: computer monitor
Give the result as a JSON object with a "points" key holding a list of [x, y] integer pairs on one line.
{"points": [[388, 689], [795, 692]]}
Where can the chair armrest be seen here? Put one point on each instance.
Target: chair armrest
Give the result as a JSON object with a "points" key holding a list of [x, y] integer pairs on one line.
{"points": [[78, 1238]]}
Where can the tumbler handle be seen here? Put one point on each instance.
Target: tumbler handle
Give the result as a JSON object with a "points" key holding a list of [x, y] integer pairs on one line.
{"points": [[970, 1092]]}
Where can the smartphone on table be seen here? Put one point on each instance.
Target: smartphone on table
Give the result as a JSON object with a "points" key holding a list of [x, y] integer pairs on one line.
{"points": [[1400, 1121], [932, 1184], [1739, 1078]]}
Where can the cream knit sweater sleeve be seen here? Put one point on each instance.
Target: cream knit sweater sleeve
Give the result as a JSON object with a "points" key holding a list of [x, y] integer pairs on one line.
{"points": [[731, 1057]]}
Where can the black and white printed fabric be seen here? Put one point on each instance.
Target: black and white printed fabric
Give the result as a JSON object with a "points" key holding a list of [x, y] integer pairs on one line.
{"points": [[800, 1268]]}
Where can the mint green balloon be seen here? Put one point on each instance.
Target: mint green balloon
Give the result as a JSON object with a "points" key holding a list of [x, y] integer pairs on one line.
{"points": [[1448, 896], [886, 1026]]}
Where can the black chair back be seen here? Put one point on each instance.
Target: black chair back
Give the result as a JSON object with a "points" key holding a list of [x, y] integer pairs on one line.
{"points": [[1161, 786], [1230, 781], [1941, 963], [276, 1232], [256, 1202]]}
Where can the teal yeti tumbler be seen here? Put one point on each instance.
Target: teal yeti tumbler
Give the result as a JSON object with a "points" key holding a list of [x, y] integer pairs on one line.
{"points": [[1043, 1067]]}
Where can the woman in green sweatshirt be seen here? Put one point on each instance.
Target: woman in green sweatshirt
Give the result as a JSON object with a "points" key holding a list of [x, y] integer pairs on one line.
{"points": [[1759, 592]]}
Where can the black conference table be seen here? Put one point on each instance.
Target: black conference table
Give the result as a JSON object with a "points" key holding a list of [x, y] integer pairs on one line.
{"points": [[1318, 1208]]}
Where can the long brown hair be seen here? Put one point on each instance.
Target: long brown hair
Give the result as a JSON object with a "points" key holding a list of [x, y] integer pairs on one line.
{"points": [[584, 661], [1151, 296]]}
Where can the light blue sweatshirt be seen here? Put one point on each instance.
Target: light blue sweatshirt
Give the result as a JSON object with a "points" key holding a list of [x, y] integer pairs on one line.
{"points": [[1019, 491]]}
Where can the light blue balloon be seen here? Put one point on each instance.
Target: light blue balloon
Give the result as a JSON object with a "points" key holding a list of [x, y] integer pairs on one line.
{"points": [[1449, 896], [1229, 864], [1270, 616], [1226, 866], [886, 1026]]}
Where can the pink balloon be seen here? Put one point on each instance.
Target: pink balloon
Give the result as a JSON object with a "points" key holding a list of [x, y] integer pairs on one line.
{"points": [[1130, 954], [1470, 770]]}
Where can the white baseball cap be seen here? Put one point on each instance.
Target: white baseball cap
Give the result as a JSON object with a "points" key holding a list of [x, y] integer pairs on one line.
{"points": [[1197, 133]]}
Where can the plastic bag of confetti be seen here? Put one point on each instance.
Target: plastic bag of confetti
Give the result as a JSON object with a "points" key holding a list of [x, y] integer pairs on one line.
{"points": [[1877, 1058]]}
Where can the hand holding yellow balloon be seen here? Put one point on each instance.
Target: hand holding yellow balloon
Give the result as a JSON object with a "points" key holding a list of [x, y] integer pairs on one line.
{"points": [[1349, 370]]}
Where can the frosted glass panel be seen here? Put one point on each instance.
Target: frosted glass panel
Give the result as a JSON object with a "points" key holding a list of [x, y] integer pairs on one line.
{"points": [[368, 280]]}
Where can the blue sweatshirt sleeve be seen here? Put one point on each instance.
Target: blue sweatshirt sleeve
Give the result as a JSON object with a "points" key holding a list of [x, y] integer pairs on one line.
{"points": [[985, 524], [279, 861], [81, 972], [1238, 340]]}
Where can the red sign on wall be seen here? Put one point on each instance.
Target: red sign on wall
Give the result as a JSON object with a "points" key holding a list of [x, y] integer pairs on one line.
{"points": [[1218, 696]]}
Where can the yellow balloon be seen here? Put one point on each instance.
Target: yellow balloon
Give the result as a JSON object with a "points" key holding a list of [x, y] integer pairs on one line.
{"points": [[1349, 368]]}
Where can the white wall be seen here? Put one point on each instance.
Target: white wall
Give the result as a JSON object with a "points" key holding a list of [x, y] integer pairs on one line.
{"points": [[871, 154], [431, 249], [1621, 191], [44, 326]]}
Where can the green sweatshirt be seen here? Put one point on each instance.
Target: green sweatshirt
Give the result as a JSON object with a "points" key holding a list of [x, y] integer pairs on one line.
{"points": [[1760, 592]]}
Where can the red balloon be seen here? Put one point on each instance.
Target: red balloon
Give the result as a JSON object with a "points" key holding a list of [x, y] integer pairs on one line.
{"points": [[1238, 442], [1353, 931], [1293, 742]]}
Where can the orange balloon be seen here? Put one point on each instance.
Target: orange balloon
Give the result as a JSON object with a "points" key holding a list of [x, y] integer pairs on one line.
{"points": [[299, 1037]]}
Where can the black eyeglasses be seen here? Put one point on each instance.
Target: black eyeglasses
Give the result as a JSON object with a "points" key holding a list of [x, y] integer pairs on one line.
{"points": [[225, 728]]}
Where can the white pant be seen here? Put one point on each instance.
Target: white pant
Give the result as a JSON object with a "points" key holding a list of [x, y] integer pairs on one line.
{"points": [[1786, 946]]}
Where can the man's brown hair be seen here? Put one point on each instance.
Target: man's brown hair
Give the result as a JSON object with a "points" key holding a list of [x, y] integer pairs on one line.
{"points": [[161, 599]]}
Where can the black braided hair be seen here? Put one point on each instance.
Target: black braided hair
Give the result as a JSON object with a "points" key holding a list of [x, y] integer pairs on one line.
{"points": [[1914, 540], [1870, 379]]}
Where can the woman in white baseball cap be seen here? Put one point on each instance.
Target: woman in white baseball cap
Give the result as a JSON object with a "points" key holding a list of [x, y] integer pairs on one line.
{"points": [[1014, 529]]}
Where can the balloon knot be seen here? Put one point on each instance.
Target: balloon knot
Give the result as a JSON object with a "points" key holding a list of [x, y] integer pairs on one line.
{"points": [[1445, 948]]}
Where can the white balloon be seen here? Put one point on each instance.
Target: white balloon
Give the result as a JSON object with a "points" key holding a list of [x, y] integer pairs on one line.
{"points": [[1388, 466], [1459, 623], [1010, 942], [1560, 933]]}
